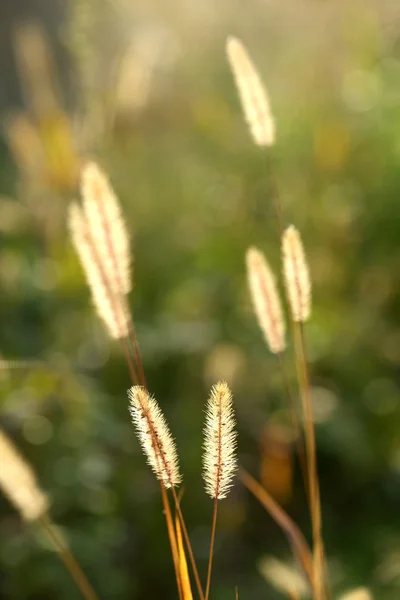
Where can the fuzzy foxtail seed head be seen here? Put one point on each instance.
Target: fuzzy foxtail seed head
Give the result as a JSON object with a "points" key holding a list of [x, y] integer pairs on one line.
{"points": [[220, 442], [18, 482], [252, 94], [297, 277], [154, 435], [107, 227], [110, 305], [266, 301]]}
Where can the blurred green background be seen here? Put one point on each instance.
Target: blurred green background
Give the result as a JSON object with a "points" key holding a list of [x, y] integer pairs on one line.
{"points": [[145, 89]]}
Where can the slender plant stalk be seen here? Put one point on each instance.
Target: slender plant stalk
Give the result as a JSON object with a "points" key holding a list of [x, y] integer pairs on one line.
{"points": [[68, 559], [188, 545], [172, 538], [183, 567], [291, 530], [136, 351], [276, 199], [295, 421], [310, 474], [314, 493], [212, 542]]}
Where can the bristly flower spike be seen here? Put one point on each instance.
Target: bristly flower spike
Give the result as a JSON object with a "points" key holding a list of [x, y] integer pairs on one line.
{"points": [[253, 95], [266, 300], [296, 273], [154, 435], [101, 240], [18, 482], [110, 306], [107, 226], [220, 442]]}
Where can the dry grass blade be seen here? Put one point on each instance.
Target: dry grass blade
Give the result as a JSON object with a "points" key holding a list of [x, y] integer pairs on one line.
{"points": [[183, 568], [155, 437], [252, 93], [172, 538], [292, 532], [266, 300], [297, 277]]}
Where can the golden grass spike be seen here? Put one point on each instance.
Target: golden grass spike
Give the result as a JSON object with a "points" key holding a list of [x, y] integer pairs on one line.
{"points": [[220, 442], [297, 277], [108, 304], [266, 300], [252, 94], [18, 482], [361, 593], [157, 443], [107, 227]]}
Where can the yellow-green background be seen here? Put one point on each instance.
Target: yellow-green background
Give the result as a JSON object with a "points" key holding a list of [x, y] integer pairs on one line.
{"points": [[196, 194]]}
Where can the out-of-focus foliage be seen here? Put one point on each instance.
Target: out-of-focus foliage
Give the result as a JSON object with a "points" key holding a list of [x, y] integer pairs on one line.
{"points": [[159, 111]]}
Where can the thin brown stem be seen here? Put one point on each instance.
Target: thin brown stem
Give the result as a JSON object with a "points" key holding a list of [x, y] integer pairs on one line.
{"points": [[314, 493], [212, 542], [188, 545], [129, 361], [68, 559], [295, 420], [172, 538], [275, 195], [136, 352], [289, 527]]}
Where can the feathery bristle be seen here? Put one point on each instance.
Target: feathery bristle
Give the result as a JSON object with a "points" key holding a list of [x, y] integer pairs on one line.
{"points": [[220, 442], [266, 300], [18, 482], [109, 304], [361, 593], [252, 94], [297, 277], [154, 435], [107, 227]]}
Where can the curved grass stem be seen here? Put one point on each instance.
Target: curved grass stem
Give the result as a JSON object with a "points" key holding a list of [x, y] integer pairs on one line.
{"points": [[68, 559], [288, 526]]}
